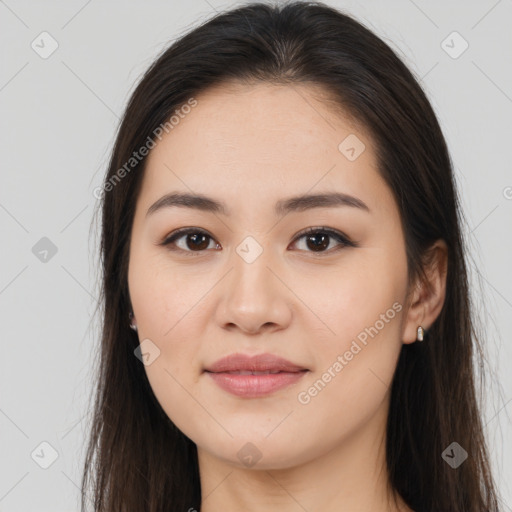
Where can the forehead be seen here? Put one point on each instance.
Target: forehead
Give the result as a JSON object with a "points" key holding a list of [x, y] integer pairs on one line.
{"points": [[256, 140], [232, 116]]}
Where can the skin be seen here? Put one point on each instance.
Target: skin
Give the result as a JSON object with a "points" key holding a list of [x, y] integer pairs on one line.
{"points": [[250, 146]]}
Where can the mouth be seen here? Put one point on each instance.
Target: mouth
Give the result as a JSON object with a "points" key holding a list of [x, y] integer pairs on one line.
{"points": [[254, 376], [252, 372]]}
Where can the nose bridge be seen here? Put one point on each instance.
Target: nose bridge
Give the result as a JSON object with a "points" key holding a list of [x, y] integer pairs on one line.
{"points": [[252, 296], [251, 260]]}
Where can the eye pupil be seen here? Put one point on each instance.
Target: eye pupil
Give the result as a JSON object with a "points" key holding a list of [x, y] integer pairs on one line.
{"points": [[195, 238], [324, 243]]}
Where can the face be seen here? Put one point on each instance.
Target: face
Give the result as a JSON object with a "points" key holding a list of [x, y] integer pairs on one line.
{"points": [[248, 280]]}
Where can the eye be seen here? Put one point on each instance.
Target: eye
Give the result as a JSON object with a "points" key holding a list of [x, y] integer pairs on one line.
{"points": [[318, 239], [197, 240]]}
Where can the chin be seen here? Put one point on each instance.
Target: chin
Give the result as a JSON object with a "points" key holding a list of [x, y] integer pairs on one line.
{"points": [[259, 453]]}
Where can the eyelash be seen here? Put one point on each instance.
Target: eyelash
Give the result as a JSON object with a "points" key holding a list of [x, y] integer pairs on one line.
{"points": [[337, 235]]}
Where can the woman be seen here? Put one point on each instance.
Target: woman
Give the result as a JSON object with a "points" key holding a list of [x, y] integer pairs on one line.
{"points": [[286, 317]]}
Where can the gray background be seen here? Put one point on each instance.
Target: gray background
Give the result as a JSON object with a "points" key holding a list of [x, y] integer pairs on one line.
{"points": [[58, 120]]}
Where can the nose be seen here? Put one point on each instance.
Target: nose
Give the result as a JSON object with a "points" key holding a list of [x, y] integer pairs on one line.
{"points": [[254, 298]]}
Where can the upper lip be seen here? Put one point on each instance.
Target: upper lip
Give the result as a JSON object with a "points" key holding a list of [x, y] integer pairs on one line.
{"points": [[258, 363]]}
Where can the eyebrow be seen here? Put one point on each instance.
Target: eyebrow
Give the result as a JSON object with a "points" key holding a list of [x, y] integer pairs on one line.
{"points": [[282, 207]]}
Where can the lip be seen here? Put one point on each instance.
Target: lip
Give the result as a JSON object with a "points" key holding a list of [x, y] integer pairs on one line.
{"points": [[234, 374], [261, 362]]}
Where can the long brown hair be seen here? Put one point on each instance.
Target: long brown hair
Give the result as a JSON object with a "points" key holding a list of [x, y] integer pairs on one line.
{"points": [[137, 460]]}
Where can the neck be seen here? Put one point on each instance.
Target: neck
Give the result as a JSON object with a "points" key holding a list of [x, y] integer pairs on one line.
{"points": [[352, 477]]}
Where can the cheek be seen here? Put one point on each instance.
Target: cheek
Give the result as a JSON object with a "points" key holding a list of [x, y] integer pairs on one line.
{"points": [[166, 316], [170, 382], [162, 296], [355, 298], [354, 371], [168, 310], [357, 356]]}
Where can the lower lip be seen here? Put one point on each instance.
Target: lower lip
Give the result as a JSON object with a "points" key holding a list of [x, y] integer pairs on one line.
{"points": [[254, 386]]}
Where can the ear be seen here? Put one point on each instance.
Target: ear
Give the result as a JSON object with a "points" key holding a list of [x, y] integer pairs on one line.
{"points": [[427, 298]]}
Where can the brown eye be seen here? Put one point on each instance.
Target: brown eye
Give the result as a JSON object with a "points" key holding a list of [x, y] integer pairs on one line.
{"points": [[319, 239], [195, 240]]}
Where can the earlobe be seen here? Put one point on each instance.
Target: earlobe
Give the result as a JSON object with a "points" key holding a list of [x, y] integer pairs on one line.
{"points": [[429, 296], [133, 325]]}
